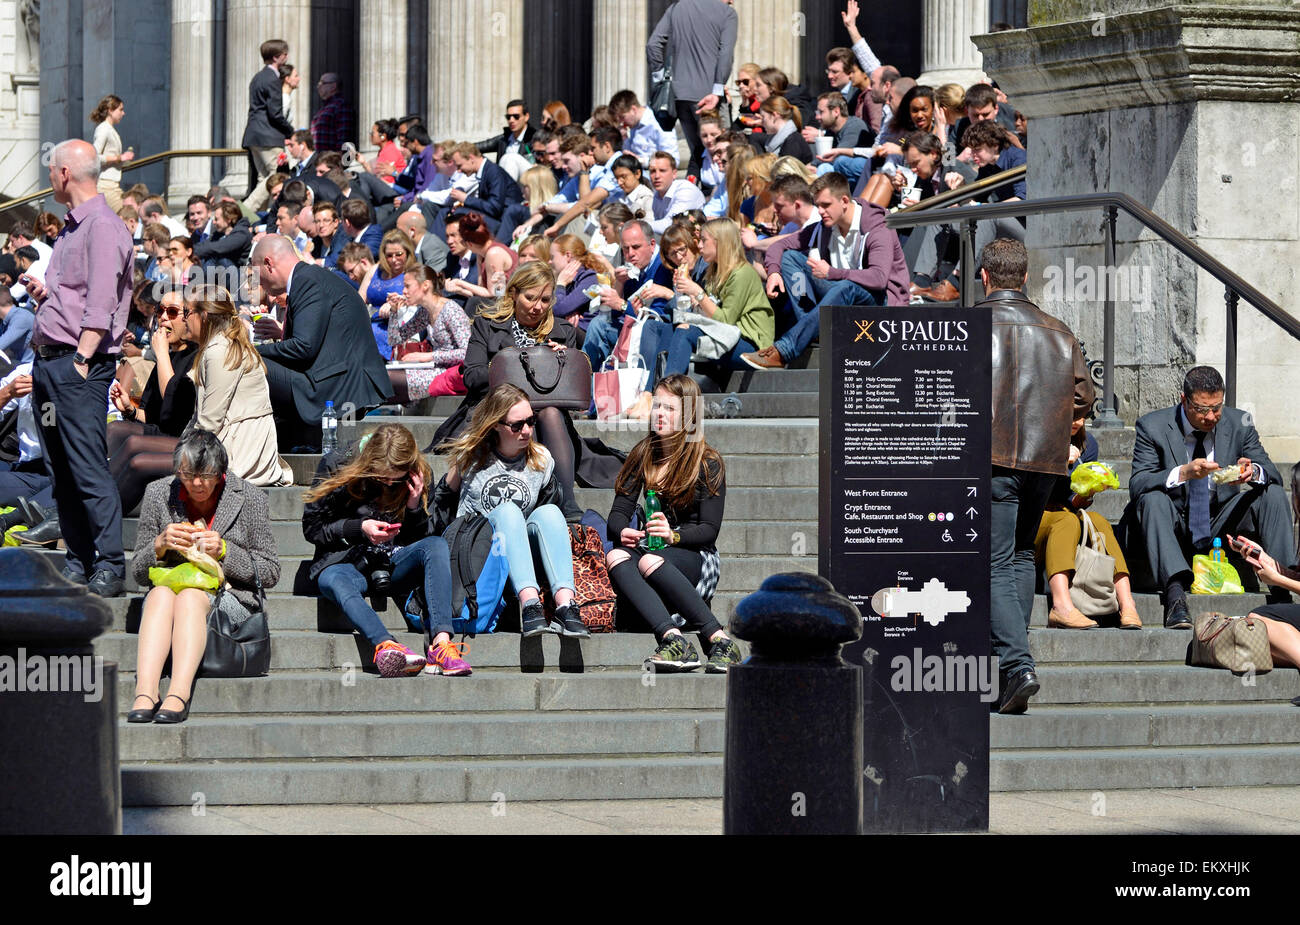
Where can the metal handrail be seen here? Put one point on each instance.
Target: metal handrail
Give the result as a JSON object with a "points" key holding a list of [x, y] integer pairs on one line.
{"points": [[1235, 288], [1010, 175], [131, 165]]}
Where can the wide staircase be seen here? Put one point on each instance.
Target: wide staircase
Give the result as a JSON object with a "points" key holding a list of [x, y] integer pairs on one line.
{"points": [[1118, 708]]}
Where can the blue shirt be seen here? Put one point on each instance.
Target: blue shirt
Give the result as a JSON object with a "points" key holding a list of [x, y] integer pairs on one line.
{"points": [[16, 334]]}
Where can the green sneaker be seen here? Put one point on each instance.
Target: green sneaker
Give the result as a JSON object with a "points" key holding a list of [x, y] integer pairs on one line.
{"points": [[675, 653], [722, 656]]}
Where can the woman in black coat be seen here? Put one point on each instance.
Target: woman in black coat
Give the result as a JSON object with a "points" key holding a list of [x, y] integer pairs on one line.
{"points": [[520, 318]]}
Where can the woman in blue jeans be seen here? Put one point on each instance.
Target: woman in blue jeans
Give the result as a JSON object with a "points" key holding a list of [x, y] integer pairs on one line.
{"points": [[368, 514], [498, 470]]}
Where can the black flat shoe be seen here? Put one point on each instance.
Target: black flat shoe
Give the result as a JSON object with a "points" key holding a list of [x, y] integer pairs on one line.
{"points": [[168, 717], [143, 716]]}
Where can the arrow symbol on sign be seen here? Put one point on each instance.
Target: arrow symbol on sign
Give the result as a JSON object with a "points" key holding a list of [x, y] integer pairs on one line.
{"points": [[970, 491], [973, 536], [971, 512]]}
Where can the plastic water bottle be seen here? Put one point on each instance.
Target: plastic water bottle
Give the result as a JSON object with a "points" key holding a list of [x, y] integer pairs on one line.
{"points": [[652, 508], [329, 429], [681, 306], [1216, 552]]}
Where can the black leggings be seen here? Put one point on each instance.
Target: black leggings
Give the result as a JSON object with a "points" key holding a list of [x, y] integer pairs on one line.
{"points": [[554, 435], [671, 584], [138, 461]]}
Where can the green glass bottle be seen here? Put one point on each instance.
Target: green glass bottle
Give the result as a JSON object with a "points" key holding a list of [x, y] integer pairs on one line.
{"points": [[652, 508]]}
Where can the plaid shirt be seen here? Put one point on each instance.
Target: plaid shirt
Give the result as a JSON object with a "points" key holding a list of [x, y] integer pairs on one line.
{"points": [[333, 125]]}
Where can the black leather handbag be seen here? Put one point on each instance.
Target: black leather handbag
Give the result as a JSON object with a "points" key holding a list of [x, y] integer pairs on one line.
{"points": [[237, 648], [551, 378]]}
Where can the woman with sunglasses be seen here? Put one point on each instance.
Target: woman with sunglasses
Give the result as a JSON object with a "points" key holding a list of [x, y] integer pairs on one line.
{"points": [[205, 507], [498, 470], [522, 317], [689, 478], [140, 445], [368, 514], [747, 83]]}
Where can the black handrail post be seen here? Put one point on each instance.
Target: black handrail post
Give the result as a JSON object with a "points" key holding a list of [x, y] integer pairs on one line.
{"points": [[1230, 352], [968, 258], [1109, 407]]}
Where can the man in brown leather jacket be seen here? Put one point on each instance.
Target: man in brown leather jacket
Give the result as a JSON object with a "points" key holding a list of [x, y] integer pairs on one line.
{"points": [[1040, 385]]}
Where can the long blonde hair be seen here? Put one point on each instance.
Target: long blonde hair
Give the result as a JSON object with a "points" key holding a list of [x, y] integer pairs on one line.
{"points": [[731, 253], [539, 185], [738, 158], [389, 448], [471, 450], [221, 318], [679, 457], [529, 275]]}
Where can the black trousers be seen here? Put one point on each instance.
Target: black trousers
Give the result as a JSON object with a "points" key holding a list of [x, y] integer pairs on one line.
{"points": [[73, 417], [691, 129]]}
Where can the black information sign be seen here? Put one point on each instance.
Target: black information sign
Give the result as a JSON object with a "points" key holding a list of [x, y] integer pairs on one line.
{"points": [[903, 533]]}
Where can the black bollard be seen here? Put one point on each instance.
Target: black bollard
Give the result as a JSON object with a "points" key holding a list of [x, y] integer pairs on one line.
{"points": [[793, 761], [58, 705]]}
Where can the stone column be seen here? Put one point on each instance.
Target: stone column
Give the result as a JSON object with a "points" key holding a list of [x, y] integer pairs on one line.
{"points": [[768, 33], [1192, 110], [619, 54], [476, 65], [249, 23], [949, 55], [191, 99], [383, 66]]}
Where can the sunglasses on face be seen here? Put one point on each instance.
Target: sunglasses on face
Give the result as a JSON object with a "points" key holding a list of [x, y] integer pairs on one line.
{"points": [[171, 311], [744, 83], [514, 115], [1206, 409], [517, 426]]}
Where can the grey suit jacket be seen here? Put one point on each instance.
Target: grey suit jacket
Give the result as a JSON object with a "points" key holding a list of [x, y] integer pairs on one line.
{"points": [[267, 127], [699, 37], [433, 252], [1159, 447], [243, 520]]}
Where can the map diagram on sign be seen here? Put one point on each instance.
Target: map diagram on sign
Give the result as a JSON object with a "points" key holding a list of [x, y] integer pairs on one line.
{"points": [[933, 602]]}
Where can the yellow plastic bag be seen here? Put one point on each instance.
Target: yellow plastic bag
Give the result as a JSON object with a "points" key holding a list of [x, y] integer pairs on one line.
{"points": [[10, 539], [185, 575], [1214, 577], [1092, 477]]}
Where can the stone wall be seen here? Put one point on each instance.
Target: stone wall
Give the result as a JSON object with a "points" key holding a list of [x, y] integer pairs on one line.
{"points": [[20, 169]]}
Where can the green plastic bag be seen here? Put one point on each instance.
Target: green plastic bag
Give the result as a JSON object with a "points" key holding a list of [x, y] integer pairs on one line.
{"points": [[1092, 477], [10, 539], [1214, 577], [185, 575]]}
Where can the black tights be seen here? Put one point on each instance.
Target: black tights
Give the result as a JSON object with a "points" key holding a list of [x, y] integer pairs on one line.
{"points": [[139, 461], [554, 435], [671, 584]]}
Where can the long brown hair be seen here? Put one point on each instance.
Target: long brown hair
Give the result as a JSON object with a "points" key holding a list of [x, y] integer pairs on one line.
{"points": [[389, 448], [471, 450], [681, 454], [529, 275], [220, 317]]}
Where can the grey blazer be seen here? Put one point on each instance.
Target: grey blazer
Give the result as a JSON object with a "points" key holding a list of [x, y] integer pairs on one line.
{"points": [[242, 518], [1159, 447]]}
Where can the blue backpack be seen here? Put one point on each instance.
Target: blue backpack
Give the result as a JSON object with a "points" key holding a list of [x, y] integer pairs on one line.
{"points": [[478, 580]]}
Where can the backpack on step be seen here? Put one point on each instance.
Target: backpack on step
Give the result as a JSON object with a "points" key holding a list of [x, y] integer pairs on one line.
{"points": [[593, 592], [478, 580]]}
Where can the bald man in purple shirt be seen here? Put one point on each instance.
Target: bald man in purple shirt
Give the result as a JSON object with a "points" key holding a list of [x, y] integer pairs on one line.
{"points": [[80, 319]]}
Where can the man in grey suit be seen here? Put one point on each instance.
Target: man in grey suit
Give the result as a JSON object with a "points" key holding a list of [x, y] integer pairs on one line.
{"points": [[430, 249], [698, 39], [328, 352], [267, 128], [1179, 508]]}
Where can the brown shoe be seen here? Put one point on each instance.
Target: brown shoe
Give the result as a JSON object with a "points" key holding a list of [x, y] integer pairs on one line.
{"points": [[942, 291], [767, 358], [1071, 620], [1129, 619]]}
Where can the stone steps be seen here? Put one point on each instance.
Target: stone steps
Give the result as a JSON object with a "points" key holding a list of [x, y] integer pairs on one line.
{"points": [[789, 402]]}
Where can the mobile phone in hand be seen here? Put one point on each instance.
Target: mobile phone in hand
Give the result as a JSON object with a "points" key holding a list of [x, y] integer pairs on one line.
{"points": [[1248, 549]]}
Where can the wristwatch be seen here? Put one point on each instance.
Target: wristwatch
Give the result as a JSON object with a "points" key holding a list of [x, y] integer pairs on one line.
{"points": [[79, 360], [677, 538]]}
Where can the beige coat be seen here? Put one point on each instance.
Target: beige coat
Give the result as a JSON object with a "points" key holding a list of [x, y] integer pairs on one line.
{"points": [[236, 406]]}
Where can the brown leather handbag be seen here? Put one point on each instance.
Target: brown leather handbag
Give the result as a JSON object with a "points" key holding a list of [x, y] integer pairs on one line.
{"points": [[551, 378], [1239, 644]]}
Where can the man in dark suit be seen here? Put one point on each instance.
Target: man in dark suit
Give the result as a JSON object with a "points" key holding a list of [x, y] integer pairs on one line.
{"points": [[495, 188], [516, 137], [267, 128], [1179, 509], [302, 149], [328, 352], [359, 224], [369, 189]]}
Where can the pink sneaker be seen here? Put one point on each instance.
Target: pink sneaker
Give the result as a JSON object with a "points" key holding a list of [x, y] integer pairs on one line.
{"points": [[448, 658], [395, 660]]}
